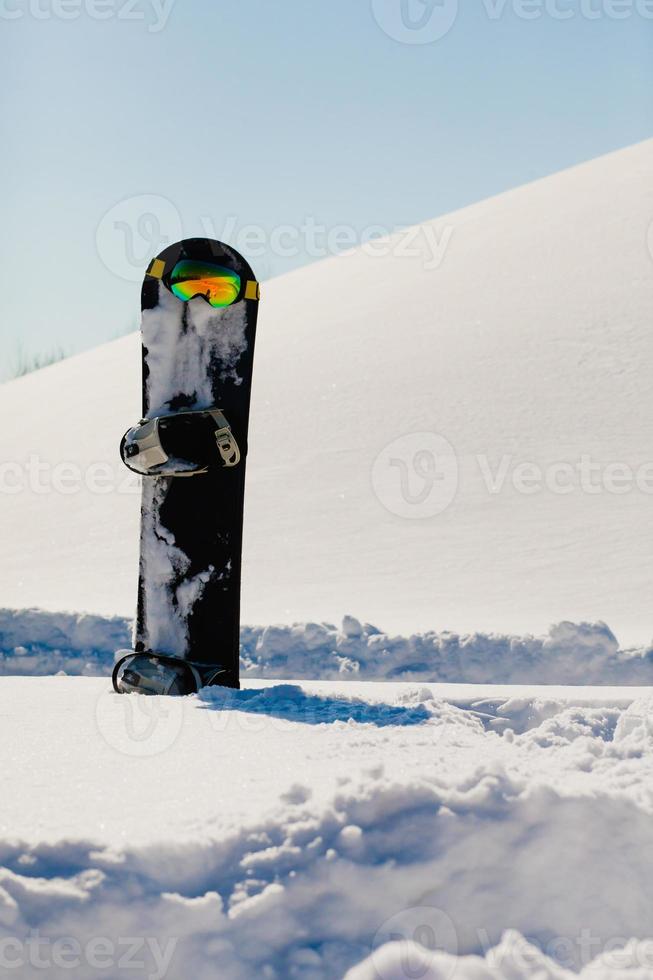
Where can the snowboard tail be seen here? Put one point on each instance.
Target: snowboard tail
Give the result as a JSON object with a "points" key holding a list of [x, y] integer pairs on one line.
{"points": [[191, 446]]}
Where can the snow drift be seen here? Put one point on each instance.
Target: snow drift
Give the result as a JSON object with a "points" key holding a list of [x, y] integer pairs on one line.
{"points": [[463, 446], [326, 825], [34, 642]]}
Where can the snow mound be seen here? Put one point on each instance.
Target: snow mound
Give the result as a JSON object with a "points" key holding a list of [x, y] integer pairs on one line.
{"points": [[513, 959], [320, 825], [36, 642], [570, 654]]}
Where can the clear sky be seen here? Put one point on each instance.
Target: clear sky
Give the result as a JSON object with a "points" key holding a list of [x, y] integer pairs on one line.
{"points": [[125, 123]]}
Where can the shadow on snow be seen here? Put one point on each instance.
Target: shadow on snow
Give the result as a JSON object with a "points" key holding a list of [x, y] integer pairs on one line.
{"points": [[292, 703]]}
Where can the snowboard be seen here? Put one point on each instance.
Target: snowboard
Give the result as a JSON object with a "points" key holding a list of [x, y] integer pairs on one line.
{"points": [[199, 305]]}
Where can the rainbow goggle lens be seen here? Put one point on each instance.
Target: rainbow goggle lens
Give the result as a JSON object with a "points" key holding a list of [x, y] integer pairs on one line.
{"points": [[216, 284], [190, 278]]}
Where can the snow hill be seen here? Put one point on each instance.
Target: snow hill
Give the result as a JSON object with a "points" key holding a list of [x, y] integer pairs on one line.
{"points": [[530, 343], [315, 829], [384, 389]]}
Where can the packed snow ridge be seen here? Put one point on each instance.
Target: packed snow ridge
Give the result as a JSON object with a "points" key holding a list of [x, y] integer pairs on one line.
{"points": [[37, 642]]}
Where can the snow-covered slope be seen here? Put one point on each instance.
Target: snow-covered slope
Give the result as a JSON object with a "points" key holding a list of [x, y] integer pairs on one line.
{"points": [[293, 831], [312, 830], [531, 343]]}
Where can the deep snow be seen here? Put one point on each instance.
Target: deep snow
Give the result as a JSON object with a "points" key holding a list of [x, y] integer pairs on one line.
{"points": [[291, 830]]}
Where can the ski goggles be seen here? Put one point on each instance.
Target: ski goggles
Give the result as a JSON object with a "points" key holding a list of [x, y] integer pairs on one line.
{"points": [[217, 284]]}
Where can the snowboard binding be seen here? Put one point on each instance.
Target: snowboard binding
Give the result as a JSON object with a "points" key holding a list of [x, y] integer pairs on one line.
{"points": [[152, 673], [181, 444]]}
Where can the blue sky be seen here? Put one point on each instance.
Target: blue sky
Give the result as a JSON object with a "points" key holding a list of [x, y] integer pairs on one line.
{"points": [[255, 118]]}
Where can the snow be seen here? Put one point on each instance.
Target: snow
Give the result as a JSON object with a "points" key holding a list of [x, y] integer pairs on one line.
{"points": [[36, 642], [166, 627], [329, 819], [514, 958], [175, 354], [462, 791], [528, 344]]}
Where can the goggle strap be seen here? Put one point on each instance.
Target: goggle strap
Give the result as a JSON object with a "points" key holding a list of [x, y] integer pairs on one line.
{"points": [[156, 269]]}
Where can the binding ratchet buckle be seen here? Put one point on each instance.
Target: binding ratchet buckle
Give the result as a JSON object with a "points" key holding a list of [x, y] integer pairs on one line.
{"points": [[181, 444]]}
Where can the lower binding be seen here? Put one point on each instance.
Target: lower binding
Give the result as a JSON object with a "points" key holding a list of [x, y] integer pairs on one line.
{"points": [[154, 673]]}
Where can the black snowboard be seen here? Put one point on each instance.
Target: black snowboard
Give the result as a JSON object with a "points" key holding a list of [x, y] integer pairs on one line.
{"points": [[195, 357]]}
